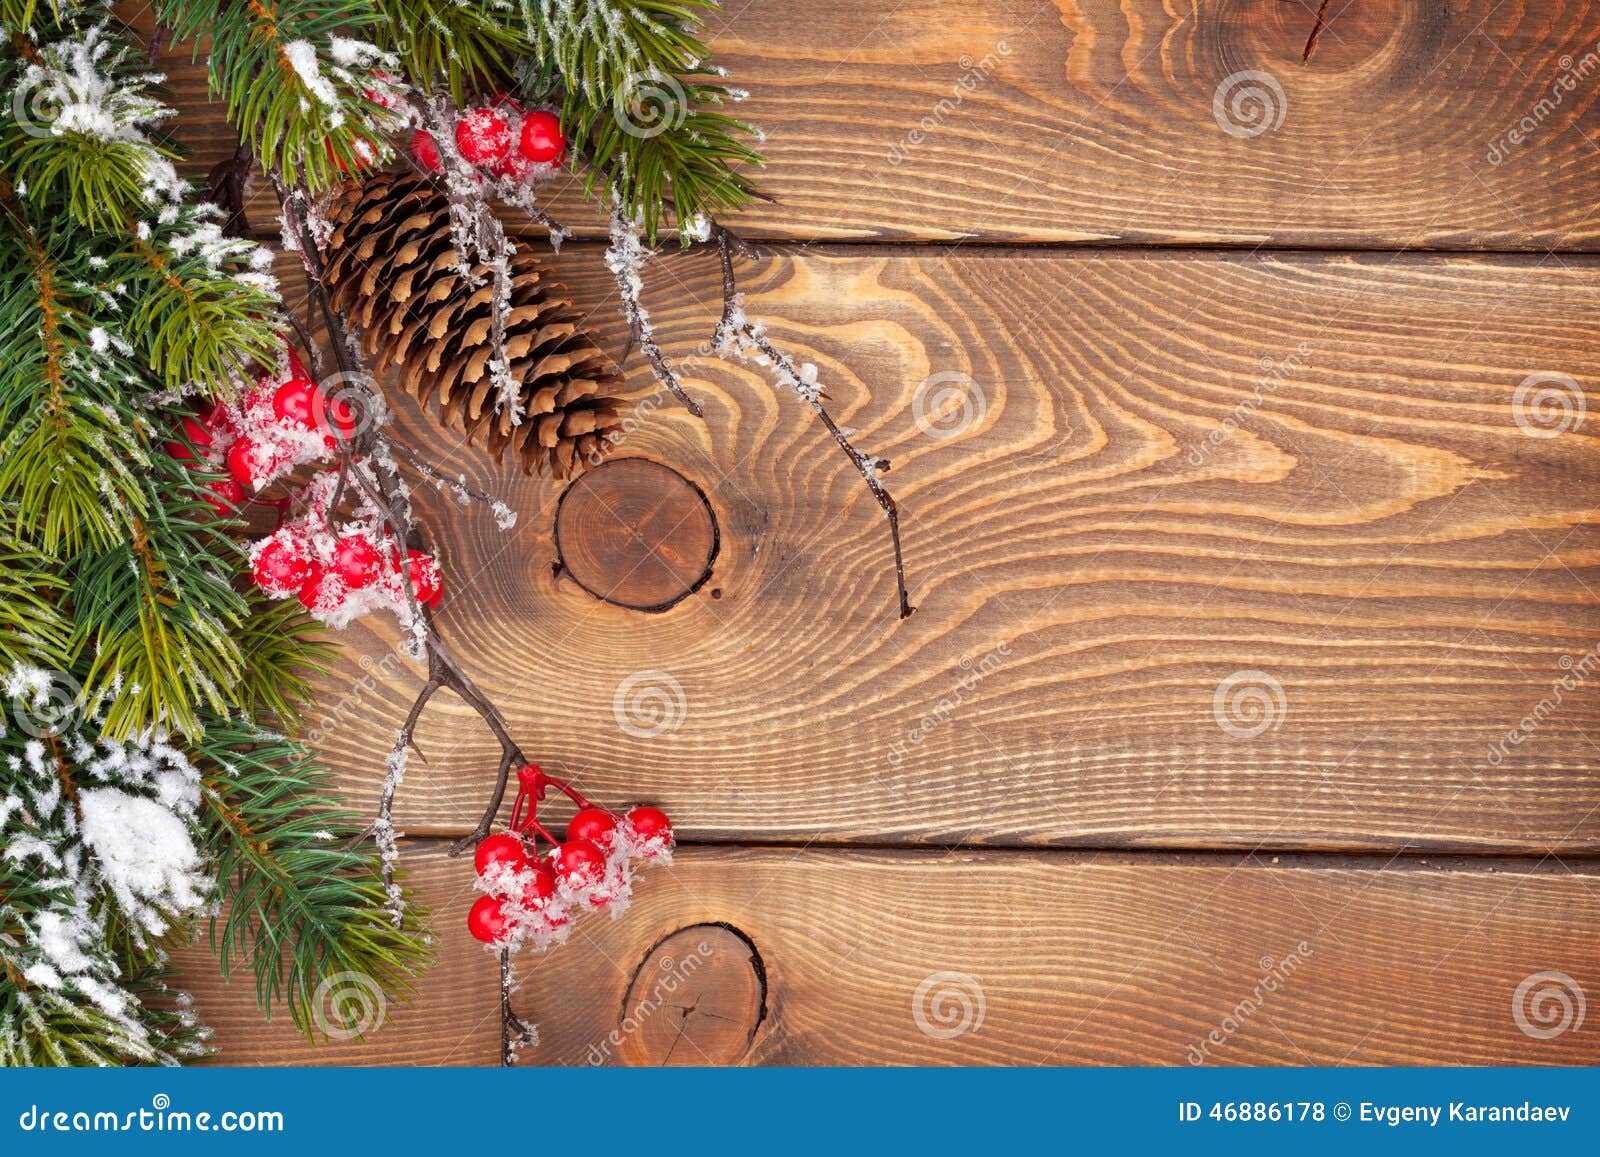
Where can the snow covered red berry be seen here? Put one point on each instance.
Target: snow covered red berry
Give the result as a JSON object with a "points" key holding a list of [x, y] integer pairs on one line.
{"points": [[296, 403], [504, 852], [356, 561], [579, 864], [593, 825], [483, 136], [279, 564]]}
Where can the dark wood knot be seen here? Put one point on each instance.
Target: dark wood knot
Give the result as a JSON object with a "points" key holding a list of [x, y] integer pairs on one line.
{"points": [[697, 998], [636, 533]]}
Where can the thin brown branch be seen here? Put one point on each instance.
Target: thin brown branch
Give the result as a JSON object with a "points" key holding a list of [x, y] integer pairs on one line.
{"points": [[623, 258], [735, 331]]}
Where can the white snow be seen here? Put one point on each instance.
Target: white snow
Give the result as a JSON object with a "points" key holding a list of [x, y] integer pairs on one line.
{"points": [[144, 854]]}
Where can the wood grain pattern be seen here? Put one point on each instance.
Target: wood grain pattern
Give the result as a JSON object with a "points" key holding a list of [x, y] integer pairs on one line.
{"points": [[1096, 120], [453, 1018], [1298, 472], [1104, 959]]}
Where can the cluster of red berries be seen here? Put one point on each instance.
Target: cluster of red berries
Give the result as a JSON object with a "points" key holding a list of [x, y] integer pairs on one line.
{"points": [[529, 899], [283, 421], [503, 139]]}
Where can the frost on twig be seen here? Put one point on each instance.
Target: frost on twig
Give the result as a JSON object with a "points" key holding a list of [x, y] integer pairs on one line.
{"points": [[625, 258], [738, 336]]}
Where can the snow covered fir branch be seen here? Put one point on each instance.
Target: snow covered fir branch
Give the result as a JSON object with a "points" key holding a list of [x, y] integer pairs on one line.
{"points": [[194, 483]]}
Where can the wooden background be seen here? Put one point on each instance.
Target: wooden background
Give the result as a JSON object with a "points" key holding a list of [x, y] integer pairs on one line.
{"points": [[1069, 859]]}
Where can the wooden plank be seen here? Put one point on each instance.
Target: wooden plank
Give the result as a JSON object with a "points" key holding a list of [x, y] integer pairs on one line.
{"points": [[779, 956], [1190, 479], [1098, 120], [453, 1018]]}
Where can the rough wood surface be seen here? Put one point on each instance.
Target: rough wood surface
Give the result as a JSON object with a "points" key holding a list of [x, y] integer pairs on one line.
{"points": [[453, 1018], [1181, 477], [780, 956], [1099, 120]]}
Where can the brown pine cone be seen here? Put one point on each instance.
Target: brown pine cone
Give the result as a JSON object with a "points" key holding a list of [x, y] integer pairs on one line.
{"points": [[392, 270]]}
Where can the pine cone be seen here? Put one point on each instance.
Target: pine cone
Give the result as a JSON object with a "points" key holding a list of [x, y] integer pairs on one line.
{"points": [[392, 270]]}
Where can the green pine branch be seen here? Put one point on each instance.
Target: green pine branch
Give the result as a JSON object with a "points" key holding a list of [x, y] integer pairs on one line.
{"points": [[293, 78], [305, 898]]}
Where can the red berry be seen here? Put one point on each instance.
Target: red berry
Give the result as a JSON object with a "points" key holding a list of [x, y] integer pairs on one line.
{"points": [[226, 496], [649, 823], [197, 434], [280, 565], [487, 921], [511, 167], [386, 96], [483, 136], [578, 862], [365, 154], [426, 150], [241, 462], [591, 824], [356, 561], [502, 850], [311, 591], [540, 141], [331, 413], [295, 402], [425, 579], [539, 888]]}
